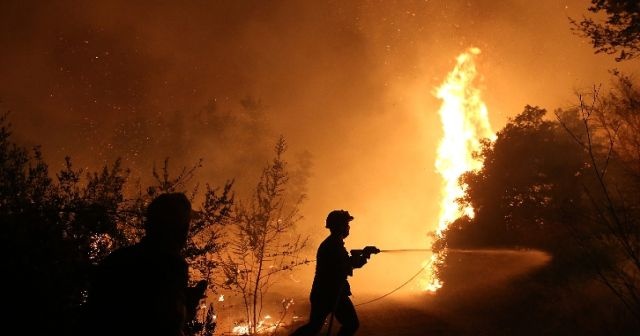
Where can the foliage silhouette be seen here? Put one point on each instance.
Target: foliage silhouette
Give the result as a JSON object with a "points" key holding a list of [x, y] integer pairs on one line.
{"points": [[618, 34], [609, 131], [56, 229]]}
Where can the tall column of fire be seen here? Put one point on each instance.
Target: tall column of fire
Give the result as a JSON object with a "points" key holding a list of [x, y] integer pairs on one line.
{"points": [[465, 121]]}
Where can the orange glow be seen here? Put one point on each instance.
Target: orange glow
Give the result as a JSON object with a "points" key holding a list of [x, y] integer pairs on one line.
{"points": [[268, 324], [465, 121], [264, 326]]}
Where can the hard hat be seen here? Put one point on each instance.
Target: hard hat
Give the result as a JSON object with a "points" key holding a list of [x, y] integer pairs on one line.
{"points": [[337, 217]]}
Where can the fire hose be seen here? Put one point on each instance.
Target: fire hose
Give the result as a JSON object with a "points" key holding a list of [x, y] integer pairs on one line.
{"points": [[375, 251]]}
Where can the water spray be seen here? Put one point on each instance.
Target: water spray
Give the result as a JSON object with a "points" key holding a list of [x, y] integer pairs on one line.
{"points": [[405, 250], [369, 250], [455, 250]]}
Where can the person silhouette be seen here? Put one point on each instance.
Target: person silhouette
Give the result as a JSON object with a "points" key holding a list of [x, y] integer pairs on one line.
{"points": [[143, 289], [330, 290]]}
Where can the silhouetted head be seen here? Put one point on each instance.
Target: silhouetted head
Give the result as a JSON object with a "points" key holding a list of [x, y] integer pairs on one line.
{"points": [[168, 218], [338, 222]]}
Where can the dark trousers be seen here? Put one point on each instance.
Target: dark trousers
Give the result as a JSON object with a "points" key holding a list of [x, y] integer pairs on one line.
{"points": [[321, 307]]}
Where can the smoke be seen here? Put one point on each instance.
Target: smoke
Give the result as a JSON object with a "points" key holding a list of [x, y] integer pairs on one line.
{"points": [[350, 82]]}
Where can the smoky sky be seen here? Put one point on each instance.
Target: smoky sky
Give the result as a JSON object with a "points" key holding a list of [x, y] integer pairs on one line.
{"points": [[349, 82]]}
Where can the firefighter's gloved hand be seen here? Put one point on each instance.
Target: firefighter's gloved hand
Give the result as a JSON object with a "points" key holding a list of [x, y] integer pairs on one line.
{"points": [[369, 250]]}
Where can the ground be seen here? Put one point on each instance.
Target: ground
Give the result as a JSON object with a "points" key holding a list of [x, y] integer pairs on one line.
{"points": [[494, 293]]}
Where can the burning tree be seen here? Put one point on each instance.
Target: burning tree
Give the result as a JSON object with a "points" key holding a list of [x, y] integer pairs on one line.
{"points": [[570, 188], [262, 244], [522, 204]]}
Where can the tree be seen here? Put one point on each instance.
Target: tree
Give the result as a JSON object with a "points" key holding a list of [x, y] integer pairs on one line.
{"points": [[610, 133], [262, 245], [53, 229], [619, 33]]}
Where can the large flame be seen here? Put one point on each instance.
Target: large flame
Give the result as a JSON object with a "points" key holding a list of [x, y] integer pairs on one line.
{"points": [[465, 121]]}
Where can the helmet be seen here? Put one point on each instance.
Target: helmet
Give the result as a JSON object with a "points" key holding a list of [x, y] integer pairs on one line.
{"points": [[337, 217]]}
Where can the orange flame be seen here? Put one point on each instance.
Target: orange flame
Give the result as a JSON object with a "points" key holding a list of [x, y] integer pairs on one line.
{"points": [[267, 325], [465, 121]]}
